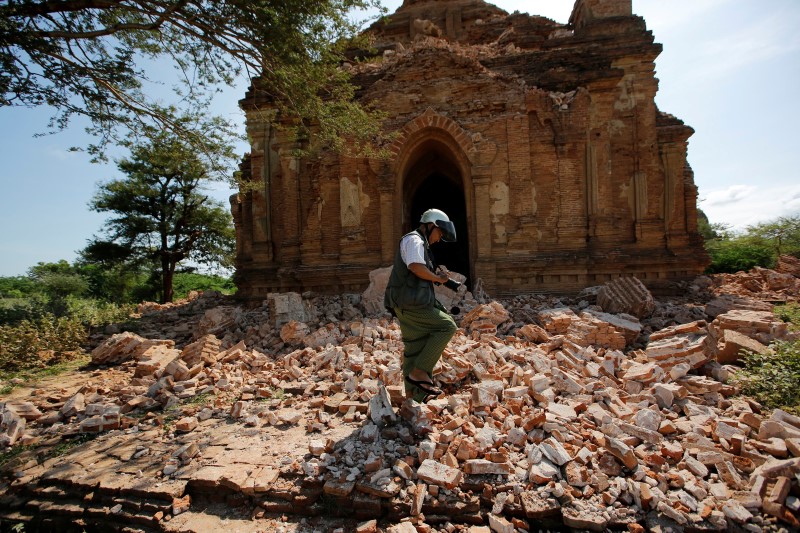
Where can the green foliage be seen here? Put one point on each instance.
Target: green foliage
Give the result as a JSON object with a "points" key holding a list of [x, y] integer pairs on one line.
{"points": [[773, 378], [34, 341], [91, 312], [8, 455], [705, 228], [759, 245], [186, 282], [57, 281], [91, 60], [199, 399], [38, 343], [15, 310], [119, 283], [789, 313], [70, 443], [782, 235], [16, 287], [96, 313], [159, 215], [738, 254]]}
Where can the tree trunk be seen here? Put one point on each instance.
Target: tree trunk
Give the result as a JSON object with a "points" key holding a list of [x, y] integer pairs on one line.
{"points": [[167, 273]]}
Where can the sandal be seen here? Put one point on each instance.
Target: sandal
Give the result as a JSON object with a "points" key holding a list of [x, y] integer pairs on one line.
{"points": [[425, 386]]}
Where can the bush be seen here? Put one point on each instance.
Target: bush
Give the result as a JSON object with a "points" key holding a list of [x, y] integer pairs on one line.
{"points": [[185, 282], [738, 255], [772, 378], [16, 287], [15, 310], [789, 313], [39, 343], [94, 313]]}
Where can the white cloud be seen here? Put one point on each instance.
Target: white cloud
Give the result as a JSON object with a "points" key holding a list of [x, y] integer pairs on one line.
{"points": [[740, 206], [734, 193]]}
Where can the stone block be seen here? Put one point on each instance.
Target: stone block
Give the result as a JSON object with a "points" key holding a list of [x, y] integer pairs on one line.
{"points": [[123, 346], [75, 405], [582, 520], [435, 473], [484, 467], [186, 424], [498, 524], [555, 451], [538, 506], [626, 295], [11, 427], [732, 343]]}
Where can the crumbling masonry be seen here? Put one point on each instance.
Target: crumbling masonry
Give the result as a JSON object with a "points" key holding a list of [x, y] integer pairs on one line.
{"points": [[541, 140]]}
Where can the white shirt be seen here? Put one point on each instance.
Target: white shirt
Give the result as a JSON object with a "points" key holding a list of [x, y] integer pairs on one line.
{"points": [[412, 249]]}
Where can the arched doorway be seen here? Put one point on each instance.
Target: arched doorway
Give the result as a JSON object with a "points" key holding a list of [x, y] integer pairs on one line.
{"points": [[434, 180]]}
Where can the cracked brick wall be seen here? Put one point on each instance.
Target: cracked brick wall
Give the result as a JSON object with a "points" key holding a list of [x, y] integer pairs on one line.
{"points": [[542, 140]]}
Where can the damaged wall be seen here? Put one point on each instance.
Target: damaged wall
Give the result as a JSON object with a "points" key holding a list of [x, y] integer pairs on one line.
{"points": [[541, 140]]}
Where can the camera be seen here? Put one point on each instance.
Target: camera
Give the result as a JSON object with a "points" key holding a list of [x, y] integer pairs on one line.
{"points": [[452, 284]]}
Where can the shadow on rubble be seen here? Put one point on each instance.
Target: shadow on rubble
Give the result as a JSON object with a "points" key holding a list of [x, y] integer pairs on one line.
{"points": [[371, 474]]}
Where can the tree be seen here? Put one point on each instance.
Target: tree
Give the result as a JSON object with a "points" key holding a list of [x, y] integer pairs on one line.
{"points": [[708, 230], [782, 234], [90, 58], [57, 281], [758, 245], [160, 216]]}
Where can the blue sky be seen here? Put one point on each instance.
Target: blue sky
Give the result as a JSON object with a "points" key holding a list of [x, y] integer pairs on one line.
{"points": [[729, 69]]}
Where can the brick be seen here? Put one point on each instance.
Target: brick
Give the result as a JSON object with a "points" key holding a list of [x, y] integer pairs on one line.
{"points": [[484, 467], [537, 506], [436, 473]]}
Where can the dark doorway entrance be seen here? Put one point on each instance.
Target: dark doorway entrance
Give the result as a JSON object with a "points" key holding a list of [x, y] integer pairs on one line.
{"points": [[438, 191]]}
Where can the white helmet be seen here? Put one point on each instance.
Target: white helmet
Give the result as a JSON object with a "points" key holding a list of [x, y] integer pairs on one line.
{"points": [[439, 219]]}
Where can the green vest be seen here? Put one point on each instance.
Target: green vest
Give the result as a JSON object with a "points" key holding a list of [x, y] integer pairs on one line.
{"points": [[405, 290]]}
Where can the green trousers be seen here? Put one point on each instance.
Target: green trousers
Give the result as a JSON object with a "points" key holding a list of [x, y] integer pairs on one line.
{"points": [[426, 333]]}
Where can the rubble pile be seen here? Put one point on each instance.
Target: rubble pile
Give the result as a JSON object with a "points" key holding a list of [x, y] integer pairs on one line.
{"points": [[757, 288], [788, 264], [581, 416]]}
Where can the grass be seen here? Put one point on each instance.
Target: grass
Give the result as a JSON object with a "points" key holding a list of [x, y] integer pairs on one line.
{"points": [[32, 376], [789, 313], [65, 446], [12, 453], [200, 399], [171, 414], [275, 393]]}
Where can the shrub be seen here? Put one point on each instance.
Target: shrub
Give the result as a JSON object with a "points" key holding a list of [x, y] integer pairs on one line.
{"points": [[738, 255], [94, 313], [41, 342], [15, 310], [789, 313], [16, 286], [185, 282], [772, 378]]}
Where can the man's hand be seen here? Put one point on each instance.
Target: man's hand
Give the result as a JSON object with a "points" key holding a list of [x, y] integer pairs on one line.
{"points": [[421, 271]]}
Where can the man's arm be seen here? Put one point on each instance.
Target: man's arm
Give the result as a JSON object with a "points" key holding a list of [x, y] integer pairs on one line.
{"points": [[421, 271]]}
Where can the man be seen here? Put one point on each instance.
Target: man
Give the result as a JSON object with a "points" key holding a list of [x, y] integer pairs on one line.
{"points": [[425, 324]]}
